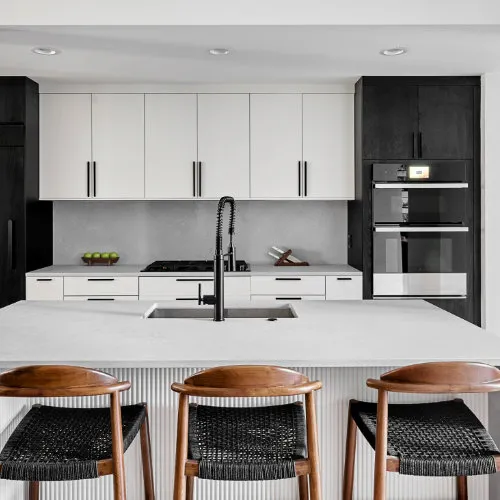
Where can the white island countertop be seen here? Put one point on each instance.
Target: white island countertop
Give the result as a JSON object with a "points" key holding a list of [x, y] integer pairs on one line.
{"points": [[325, 334], [135, 270]]}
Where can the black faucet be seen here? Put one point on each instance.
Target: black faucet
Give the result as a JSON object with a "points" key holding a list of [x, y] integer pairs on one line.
{"points": [[217, 299]]}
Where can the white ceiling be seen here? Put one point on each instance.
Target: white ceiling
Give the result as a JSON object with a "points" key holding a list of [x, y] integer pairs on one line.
{"points": [[259, 54]]}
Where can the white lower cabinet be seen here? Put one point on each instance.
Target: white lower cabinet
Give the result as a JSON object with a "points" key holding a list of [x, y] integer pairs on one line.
{"points": [[183, 288], [102, 298], [344, 287], [288, 285], [101, 285], [288, 298], [44, 288]]}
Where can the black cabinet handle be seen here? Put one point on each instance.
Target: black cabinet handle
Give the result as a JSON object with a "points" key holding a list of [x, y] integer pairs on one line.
{"points": [[344, 279], [288, 298], [44, 279], [100, 299], [413, 145], [194, 279], [305, 178], [194, 179], [88, 179], [288, 279], [185, 298], [11, 245], [199, 178], [420, 154], [100, 279], [95, 179], [300, 179]]}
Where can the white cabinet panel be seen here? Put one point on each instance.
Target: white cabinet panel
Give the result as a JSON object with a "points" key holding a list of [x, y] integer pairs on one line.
{"points": [[344, 288], [118, 145], [65, 145], [44, 288], [102, 298], [223, 145], [288, 285], [171, 145], [328, 152], [287, 298], [276, 145], [101, 285]]}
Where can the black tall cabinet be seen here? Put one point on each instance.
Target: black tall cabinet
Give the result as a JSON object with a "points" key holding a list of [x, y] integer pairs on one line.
{"points": [[25, 222], [402, 119]]}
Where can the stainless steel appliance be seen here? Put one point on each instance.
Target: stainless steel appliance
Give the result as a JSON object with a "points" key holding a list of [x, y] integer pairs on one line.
{"points": [[421, 227]]}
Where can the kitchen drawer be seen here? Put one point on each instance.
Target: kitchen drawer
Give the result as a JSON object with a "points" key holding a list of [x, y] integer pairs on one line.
{"points": [[289, 298], [44, 288], [158, 288], [288, 285], [101, 285], [344, 287], [102, 298]]}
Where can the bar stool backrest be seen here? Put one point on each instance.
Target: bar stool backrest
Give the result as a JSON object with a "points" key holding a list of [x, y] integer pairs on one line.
{"points": [[247, 381], [58, 381], [440, 378]]}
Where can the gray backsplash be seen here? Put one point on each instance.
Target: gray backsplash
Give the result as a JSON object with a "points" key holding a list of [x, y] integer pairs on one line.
{"points": [[144, 231]]}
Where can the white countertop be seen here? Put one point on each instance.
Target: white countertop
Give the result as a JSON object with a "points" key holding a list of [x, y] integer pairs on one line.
{"points": [[135, 270], [325, 334]]}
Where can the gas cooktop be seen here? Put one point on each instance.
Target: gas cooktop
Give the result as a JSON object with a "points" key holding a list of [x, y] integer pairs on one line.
{"points": [[190, 266]]}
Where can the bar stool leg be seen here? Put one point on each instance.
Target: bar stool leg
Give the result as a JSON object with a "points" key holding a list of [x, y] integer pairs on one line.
{"points": [[147, 467], [381, 446], [189, 487], [313, 448], [182, 447], [462, 493], [119, 487], [350, 458], [303, 488], [34, 490]]}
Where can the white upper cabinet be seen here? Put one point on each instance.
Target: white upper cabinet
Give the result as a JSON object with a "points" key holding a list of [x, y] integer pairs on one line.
{"points": [[171, 145], [223, 145], [276, 145], [118, 145], [328, 146], [65, 146]]}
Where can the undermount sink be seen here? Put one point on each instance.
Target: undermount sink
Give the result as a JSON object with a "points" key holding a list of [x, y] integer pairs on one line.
{"points": [[271, 313]]}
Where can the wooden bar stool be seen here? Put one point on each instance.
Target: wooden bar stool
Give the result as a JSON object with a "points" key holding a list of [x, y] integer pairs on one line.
{"points": [[425, 439], [66, 444], [257, 443]]}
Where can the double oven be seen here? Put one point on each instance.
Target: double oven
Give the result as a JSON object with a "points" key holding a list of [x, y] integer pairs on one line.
{"points": [[421, 219]]}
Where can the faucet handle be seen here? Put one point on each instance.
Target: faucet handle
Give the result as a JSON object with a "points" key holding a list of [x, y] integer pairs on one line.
{"points": [[205, 299], [200, 298]]}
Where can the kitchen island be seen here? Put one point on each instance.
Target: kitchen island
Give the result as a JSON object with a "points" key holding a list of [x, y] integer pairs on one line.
{"points": [[339, 342]]}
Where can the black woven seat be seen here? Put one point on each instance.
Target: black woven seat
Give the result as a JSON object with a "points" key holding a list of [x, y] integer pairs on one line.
{"points": [[247, 444], [61, 444], [432, 439]]}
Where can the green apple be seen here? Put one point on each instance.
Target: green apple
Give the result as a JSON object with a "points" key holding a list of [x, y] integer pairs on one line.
{"points": [[113, 255], [87, 255], [96, 255], [105, 255]]}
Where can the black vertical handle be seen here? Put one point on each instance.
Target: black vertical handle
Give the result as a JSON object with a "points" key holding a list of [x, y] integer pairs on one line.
{"points": [[413, 147], [88, 179], [11, 243], [300, 179], [95, 178], [305, 178], [420, 154], [194, 179], [199, 178]]}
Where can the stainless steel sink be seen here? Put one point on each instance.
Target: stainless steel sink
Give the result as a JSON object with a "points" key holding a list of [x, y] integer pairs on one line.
{"points": [[284, 311]]}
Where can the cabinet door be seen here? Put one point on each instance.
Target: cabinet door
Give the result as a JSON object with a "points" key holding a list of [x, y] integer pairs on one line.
{"points": [[276, 145], [328, 142], [446, 122], [65, 145], [223, 145], [389, 122], [118, 145], [44, 288], [171, 145]]}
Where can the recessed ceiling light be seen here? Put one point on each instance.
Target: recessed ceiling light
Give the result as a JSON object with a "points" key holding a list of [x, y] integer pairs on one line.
{"points": [[396, 51], [219, 52], [45, 51]]}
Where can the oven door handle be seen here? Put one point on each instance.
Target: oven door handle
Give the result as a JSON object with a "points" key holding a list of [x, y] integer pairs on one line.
{"points": [[414, 185], [429, 229]]}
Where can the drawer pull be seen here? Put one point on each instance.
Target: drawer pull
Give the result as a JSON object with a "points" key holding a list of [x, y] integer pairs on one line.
{"points": [[100, 279], [44, 279], [288, 279], [344, 279], [186, 298], [100, 299], [194, 280], [288, 298]]}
